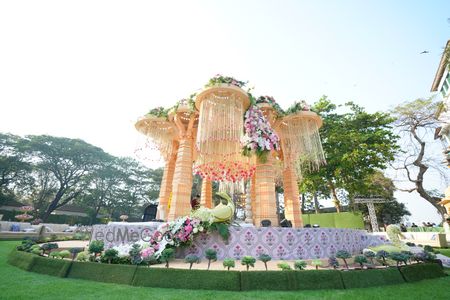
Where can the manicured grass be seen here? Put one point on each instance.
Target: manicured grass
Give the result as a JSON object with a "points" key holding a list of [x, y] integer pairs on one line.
{"points": [[19, 284]]}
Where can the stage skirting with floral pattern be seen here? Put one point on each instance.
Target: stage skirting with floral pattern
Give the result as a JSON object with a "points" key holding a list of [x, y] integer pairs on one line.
{"points": [[279, 243]]}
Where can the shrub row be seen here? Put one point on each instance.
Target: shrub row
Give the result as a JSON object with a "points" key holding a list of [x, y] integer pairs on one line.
{"points": [[224, 280]]}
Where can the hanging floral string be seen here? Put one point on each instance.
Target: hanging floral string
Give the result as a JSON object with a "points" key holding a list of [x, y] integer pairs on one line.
{"points": [[259, 137]]}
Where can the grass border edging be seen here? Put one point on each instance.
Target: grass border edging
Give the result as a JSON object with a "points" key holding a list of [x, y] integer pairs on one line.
{"points": [[22, 260], [122, 274], [51, 266]]}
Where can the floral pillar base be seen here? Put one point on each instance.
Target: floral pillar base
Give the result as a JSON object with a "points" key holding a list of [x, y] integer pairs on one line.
{"points": [[266, 205], [292, 211]]}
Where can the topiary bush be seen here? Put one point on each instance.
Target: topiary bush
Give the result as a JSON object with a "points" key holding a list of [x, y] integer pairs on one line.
{"points": [[284, 266], [83, 256], [110, 254], [370, 254], [135, 254], [22, 260], [192, 259], [248, 261], [53, 267], [344, 255], [228, 263], [265, 258], [333, 262], [26, 245], [54, 254], [74, 251], [361, 260], [399, 258], [211, 255], [383, 255], [64, 254], [167, 255], [96, 247], [299, 264], [316, 263], [48, 247]]}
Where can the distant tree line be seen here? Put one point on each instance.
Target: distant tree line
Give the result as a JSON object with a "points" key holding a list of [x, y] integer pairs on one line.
{"points": [[49, 172]]}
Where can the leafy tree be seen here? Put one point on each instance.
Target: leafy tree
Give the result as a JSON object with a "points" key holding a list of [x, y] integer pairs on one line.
{"points": [[369, 254], [228, 263], [67, 161], [347, 165], [211, 255], [64, 254], [399, 258], [14, 169], [248, 261], [265, 258], [417, 121]]}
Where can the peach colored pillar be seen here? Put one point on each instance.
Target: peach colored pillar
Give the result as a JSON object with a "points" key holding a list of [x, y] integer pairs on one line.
{"points": [[206, 197], [180, 204], [166, 187], [253, 197], [292, 211], [266, 203]]}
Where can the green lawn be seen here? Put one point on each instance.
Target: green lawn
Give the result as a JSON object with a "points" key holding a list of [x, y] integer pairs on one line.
{"points": [[18, 284], [443, 251]]}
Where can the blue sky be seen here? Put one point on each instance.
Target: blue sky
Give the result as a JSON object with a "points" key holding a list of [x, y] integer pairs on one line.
{"points": [[88, 69]]}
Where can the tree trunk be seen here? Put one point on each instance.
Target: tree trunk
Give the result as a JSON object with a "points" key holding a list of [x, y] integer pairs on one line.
{"points": [[316, 204], [334, 196]]}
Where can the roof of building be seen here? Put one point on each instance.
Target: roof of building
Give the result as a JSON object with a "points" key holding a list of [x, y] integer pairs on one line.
{"points": [[71, 208], [440, 71]]}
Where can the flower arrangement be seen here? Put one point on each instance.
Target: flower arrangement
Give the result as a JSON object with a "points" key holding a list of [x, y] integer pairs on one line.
{"points": [[232, 171], [219, 79], [298, 106], [159, 112], [259, 137], [179, 232], [271, 101]]}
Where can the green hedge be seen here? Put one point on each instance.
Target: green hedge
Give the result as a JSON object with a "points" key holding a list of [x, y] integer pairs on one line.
{"points": [[23, 260], [316, 279], [51, 266], [223, 280], [369, 278], [187, 279], [419, 272], [266, 280], [102, 272]]}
